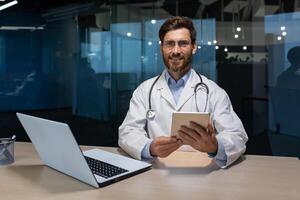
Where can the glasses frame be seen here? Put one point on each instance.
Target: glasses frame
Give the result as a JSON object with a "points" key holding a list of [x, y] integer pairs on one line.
{"points": [[171, 44]]}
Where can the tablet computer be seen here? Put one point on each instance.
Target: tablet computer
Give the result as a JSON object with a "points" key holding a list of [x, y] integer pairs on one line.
{"points": [[184, 118]]}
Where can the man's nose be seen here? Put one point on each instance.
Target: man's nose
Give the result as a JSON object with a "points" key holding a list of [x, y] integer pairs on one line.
{"points": [[176, 49]]}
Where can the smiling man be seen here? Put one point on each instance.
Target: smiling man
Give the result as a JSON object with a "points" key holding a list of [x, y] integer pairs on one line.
{"points": [[146, 130]]}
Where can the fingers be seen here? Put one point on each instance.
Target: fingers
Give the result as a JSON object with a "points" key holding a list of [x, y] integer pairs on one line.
{"points": [[165, 140], [203, 131], [166, 150], [186, 137], [189, 134], [199, 137], [211, 130], [164, 146]]}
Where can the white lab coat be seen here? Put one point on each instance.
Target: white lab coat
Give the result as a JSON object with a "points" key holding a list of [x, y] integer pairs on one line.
{"points": [[132, 132]]}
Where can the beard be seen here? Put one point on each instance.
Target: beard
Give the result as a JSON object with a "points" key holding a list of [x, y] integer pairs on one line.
{"points": [[178, 63]]}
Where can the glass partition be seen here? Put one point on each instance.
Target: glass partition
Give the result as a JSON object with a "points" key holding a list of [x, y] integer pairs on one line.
{"points": [[79, 62], [284, 81]]}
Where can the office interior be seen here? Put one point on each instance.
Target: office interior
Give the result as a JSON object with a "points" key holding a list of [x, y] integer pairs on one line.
{"points": [[79, 61]]}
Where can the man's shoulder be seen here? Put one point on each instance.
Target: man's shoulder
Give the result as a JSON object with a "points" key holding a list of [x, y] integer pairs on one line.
{"points": [[148, 82], [210, 83], [214, 88]]}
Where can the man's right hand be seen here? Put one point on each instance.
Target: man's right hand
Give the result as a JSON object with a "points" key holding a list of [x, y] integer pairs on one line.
{"points": [[163, 146]]}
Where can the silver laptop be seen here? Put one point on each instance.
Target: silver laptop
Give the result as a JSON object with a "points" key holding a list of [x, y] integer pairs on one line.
{"points": [[59, 150]]}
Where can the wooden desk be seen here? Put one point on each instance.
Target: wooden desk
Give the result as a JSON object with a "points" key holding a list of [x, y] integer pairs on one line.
{"points": [[183, 175]]}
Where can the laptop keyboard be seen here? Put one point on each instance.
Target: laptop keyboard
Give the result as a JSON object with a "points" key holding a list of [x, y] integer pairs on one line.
{"points": [[103, 169]]}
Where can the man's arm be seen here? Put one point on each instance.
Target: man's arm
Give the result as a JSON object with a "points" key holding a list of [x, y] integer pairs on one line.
{"points": [[230, 131], [227, 141], [133, 136], [132, 133]]}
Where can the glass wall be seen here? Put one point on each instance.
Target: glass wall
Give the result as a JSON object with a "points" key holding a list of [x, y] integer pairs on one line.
{"points": [[79, 62], [283, 80]]}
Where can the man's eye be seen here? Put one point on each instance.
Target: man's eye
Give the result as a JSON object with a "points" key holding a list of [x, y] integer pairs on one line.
{"points": [[170, 43], [183, 43]]}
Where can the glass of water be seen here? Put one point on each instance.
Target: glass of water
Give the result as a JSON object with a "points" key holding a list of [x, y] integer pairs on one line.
{"points": [[7, 150]]}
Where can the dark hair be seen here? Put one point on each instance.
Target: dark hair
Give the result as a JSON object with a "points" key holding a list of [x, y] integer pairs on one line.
{"points": [[175, 23], [293, 55]]}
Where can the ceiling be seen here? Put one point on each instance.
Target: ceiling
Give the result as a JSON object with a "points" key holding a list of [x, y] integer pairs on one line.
{"points": [[221, 10]]}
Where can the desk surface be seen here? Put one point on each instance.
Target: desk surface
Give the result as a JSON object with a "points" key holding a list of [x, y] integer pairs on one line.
{"points": [[183, 175]]}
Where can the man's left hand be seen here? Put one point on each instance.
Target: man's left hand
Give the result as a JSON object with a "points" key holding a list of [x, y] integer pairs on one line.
{"points": [[200, 138]]}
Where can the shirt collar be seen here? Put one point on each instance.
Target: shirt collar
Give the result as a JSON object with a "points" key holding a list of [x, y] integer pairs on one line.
{"points": [[183, 79]]}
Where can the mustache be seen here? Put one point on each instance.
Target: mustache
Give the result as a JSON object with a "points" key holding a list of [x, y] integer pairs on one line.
{"points": [[176, 57]]}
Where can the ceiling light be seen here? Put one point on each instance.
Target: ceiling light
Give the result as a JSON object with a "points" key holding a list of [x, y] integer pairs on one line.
{"points": [[283, 33], [245, 48], [238, 29], [199, 47], [279, 38], [209, 42], [225, 49], [92, 54], [236, 36], [129, 34], [15, 28], [8, 5], [282, 28], [153, 21], [159, 42], [215, 41], [149, 43], [217, 47]]}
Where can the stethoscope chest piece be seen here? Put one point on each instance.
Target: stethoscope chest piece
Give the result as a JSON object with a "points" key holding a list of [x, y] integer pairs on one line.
{"points": [[150, 114]]}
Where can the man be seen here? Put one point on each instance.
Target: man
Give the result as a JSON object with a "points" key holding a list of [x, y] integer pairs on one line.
{"points": [[145, 132], [290, 79]]}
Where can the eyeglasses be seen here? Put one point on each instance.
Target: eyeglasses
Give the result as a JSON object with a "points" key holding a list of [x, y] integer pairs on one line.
{"points": [[170, 44]]}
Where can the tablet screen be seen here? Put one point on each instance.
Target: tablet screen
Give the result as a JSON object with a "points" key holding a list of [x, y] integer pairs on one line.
{"points": [[184, 118]]}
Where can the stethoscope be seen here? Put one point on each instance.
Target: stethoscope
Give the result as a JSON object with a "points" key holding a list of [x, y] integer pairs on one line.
{"points": [[151, 113]]}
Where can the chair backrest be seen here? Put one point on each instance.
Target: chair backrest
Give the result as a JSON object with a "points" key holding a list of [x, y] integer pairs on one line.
{"points": [[286, 107]]}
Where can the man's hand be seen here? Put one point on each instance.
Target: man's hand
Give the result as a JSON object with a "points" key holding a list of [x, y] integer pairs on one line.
{"points": [[200, 138], [164, 146]]}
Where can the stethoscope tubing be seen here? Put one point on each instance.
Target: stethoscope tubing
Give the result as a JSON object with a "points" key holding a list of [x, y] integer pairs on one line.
{"points": [[151, 113], [150, 92]]}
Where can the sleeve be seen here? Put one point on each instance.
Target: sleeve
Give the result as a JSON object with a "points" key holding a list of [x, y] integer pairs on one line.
{"points": [[132, 132], [146, 151], [219, 157], [231, 135]]}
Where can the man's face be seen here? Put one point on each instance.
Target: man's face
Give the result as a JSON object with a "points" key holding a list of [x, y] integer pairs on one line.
{"points": [[177, 50]]}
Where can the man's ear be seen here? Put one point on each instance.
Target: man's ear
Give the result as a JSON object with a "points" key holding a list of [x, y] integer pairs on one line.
{"points": [[194, 48]]}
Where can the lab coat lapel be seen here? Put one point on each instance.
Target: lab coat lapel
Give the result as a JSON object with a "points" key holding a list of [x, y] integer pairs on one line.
{"points": [[188, 90], [165, 92]]}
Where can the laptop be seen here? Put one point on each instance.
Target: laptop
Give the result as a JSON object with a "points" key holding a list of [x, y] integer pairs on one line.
{"points": [[59, 150]]}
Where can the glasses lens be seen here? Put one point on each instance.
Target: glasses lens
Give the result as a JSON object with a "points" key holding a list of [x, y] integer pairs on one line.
{"points": [[170, 44]]}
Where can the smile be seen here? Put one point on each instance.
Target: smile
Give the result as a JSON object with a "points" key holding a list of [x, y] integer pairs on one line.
{"points": [[175, 59]]}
